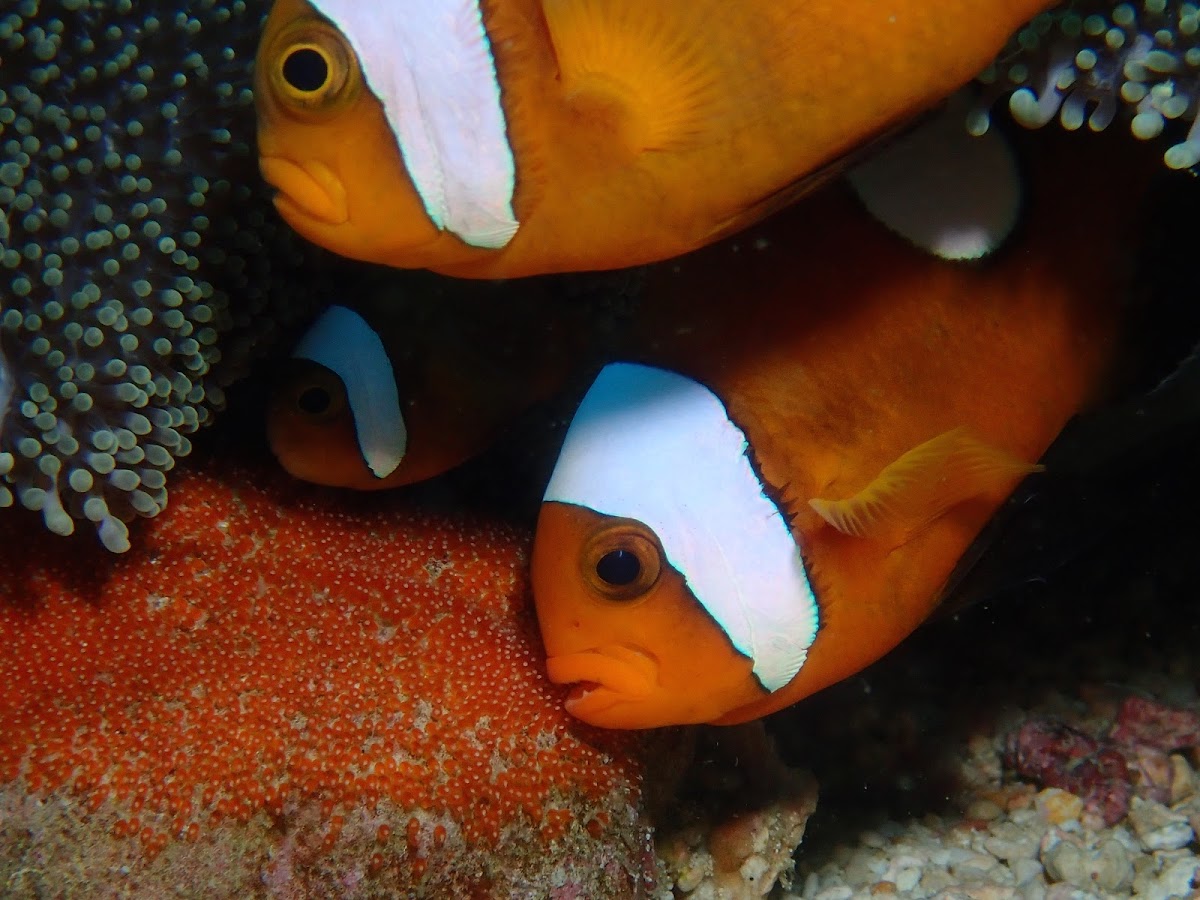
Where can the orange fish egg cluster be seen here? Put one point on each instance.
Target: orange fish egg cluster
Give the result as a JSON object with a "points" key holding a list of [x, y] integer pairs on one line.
{"points": [[262, 654]]}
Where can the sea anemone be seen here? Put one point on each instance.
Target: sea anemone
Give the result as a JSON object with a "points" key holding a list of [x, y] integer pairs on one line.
{"points": [[130, 222], [1088, 62]]}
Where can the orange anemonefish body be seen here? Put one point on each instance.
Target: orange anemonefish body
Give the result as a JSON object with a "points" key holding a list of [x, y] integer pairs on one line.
{"points": [[500, 138], [394, 388], [778, 499]]}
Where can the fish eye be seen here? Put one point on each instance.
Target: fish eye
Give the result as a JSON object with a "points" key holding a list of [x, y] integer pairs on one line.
{"points": [[623, 561], [319, 395], [306, 69], [315, 67], [314, 400], [619, 567]]}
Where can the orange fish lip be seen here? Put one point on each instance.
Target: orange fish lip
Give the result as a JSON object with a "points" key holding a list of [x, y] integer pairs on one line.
{"points": [[604, 677], [589, 699], [309, 190]]}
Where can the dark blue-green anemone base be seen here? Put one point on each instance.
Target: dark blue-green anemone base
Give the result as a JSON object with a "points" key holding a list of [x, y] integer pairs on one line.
{"points": [[135, 241]]}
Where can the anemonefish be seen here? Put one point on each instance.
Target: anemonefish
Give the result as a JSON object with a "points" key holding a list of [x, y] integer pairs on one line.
{"points": [[502, 138], [416, 375], [774, 491]]}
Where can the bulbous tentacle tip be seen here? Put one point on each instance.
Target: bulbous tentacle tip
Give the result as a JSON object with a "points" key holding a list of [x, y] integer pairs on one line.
{"points": [[131, 220], [1091, 64]]}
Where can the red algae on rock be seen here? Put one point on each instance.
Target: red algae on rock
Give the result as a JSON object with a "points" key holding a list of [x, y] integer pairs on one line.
{"points": [[274, 696], [1057, 755], [1107, 771]]}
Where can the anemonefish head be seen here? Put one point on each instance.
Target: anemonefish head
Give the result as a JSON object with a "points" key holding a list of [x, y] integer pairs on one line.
{"points": [[668, 585], [336, 416], [380, 126]]}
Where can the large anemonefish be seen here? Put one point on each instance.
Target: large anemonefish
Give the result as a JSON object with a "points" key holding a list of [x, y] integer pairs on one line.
{"points": [[499, 138], [776, 492], [393, 388]]}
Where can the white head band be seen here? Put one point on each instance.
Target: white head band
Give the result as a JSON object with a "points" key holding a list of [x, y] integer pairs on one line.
{"points": [[655, 446]]}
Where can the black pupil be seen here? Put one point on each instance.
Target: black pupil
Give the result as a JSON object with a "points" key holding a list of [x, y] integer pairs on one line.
{"points": [[305, 70], [314, 400], [619, 568]]}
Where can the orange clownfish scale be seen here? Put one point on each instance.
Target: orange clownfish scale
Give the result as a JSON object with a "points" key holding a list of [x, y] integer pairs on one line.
{"points": [[864, 354], [527, 136]]}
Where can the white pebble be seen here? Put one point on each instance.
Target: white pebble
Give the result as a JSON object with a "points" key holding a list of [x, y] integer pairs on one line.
{"points": [[697, 867], [753, 869], [1025, 870], [1174, 881], [907, 879], [873, 839], [1158, 827], [1068, 892], [1023, 817], [1009, 850], [974, 867], [1107, 867], [1128, 841], [934, 880]]}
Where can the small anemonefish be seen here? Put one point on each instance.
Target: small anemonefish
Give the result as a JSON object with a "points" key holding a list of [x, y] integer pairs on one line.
{"points": [[501, 138], [396, 388], [775, 493]]}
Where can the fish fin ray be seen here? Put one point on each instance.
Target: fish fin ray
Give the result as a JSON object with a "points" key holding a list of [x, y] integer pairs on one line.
{"points": [[923, 485], [623, 49]]}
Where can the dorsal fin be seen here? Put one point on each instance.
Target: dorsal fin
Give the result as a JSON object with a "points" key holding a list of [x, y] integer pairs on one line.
{"points": [[922, 485]]}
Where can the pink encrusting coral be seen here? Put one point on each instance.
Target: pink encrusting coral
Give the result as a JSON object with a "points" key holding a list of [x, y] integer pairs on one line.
{"points": [[349, 697]]}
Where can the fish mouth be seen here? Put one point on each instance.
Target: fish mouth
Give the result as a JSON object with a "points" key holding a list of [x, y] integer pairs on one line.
{"points": [[603, 678], [588, 699], [310, 190]]}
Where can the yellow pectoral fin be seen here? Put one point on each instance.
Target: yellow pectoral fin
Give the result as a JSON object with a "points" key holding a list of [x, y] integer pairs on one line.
{"points": [[922, 485], [634, 58]]}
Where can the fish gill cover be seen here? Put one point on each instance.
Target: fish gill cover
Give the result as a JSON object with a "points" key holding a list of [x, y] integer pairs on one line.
{"points": [[137, 255]]}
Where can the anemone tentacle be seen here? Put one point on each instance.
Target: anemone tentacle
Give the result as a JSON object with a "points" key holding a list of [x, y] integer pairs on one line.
{"points": [[1092, 63], [134, 245]]}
